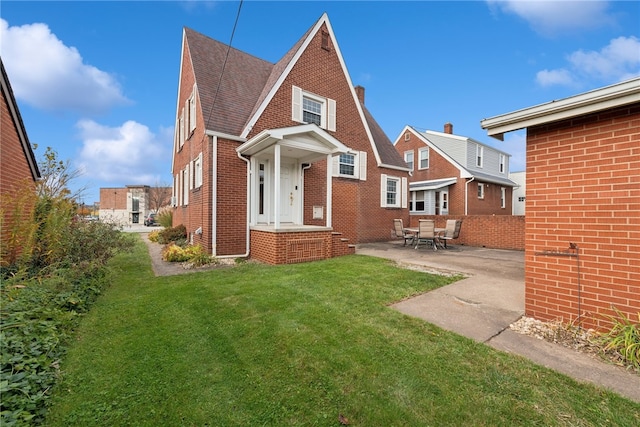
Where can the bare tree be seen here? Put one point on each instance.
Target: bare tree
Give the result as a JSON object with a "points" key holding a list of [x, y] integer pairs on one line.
{"points": [[159, 196], [56, 175]]}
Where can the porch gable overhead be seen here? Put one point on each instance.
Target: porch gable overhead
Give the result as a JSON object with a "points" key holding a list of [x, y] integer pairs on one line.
{"points": [[307, 143]]}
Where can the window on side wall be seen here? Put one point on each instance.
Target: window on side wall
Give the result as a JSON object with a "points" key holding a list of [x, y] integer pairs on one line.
{"points": [[423, 153], [502, 163], [417, 201], [503, 197], [480, 191], [479, 155], [351, 165], [197, 171], [408, 158], [393, 191]]}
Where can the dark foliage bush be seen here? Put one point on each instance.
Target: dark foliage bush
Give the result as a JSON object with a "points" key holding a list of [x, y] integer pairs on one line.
{"points": [[173, 234]]}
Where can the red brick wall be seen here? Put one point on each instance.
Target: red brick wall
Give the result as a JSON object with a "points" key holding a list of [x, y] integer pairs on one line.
{"points": [[583, 187], [489, 231], [290, 247], [440, 168]]}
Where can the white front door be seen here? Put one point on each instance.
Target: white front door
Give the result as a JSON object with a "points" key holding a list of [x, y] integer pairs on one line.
{"points": [[444, 202], [288, 192]]}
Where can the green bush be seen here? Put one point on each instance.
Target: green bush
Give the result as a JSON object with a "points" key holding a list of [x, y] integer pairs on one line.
{"points": [[172, 234], [623, 338], [194, 254], [57, 274]]}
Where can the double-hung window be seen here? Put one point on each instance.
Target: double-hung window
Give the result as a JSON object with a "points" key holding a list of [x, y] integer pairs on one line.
{"points": [[197, 171], [307, 107], [480, 191], [423, 155], [408, 158], [311, 111], [393, 191], [502, 163], [479, 155], [350, 165]]}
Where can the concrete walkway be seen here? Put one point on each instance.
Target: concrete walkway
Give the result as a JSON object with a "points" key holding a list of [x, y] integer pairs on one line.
{"points": [[483, 305]]}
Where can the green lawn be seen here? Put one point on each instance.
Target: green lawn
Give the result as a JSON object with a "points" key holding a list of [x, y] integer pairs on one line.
{"points": [[299, 345]]}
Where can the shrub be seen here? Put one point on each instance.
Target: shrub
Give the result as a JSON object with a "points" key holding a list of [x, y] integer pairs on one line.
{"points": [[194, 254], [165, 218], [154, 236], [623, 338], [172, 234]]}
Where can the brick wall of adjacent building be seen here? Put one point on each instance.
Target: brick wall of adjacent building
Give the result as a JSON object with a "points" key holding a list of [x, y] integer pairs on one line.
{"points": [[583, 187], [15, 176]]}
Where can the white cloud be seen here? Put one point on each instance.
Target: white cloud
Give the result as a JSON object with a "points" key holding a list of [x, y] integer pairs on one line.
{"points": [[618, 61], [127, 154], [552, 17], [49, 75], [554, 77]]}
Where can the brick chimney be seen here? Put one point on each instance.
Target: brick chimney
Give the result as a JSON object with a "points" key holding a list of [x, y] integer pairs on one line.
{"points": [[360, 93], [448, 128]]}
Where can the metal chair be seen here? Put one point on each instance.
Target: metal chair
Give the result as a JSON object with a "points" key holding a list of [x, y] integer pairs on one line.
{"points": [[452, 231], [402, 233], [427, 233]]}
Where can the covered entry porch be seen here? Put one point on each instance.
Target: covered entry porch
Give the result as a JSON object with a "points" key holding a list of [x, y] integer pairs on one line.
{"points": [[277, 161]]}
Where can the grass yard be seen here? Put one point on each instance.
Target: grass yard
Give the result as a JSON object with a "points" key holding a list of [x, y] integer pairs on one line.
{"points": [[299, 345]]}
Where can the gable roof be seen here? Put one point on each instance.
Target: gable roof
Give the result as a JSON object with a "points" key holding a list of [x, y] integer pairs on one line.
{"points": [[249, 84], [453, 148], [7, 94], [612, 96]]}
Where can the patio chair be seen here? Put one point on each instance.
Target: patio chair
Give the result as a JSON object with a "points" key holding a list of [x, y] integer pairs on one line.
{"points": [[427, 233], [403, 233], [451, 232]]}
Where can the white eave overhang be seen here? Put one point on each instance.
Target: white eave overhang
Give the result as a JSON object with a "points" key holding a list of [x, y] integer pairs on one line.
{"points": [[433, 184], [617, 95], [308, 143]]}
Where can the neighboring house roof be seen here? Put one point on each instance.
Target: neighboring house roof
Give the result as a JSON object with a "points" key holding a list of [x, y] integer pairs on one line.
{"points": [[249, 83], [617, 95], [7, 94], [453, 148]]}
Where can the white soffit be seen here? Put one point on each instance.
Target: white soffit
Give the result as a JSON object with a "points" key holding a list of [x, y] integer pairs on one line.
{"points": [[613, 96]]}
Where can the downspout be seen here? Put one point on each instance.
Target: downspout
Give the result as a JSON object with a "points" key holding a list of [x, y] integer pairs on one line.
{"points": [[466, 195], [248, 231]]}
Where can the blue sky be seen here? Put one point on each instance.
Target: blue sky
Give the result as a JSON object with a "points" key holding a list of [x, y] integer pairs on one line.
{"points": [[97, 81]]}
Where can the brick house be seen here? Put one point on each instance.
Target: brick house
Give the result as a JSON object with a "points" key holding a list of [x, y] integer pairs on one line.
{"points": [[129, 205], [281, 162], [19, 170], [582, 238], [454, 175]]}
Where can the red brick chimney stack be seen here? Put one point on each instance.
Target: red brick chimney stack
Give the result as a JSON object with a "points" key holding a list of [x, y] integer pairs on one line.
{"points": [[360, 93], [448, 128]]}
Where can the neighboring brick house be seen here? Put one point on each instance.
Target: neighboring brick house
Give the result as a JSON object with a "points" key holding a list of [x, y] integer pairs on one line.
{"points": [[19, 169], [583, 198], [131, 204], [454, 175], [281, 162]]}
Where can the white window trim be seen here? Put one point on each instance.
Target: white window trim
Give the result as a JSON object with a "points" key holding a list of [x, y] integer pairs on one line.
{"points": [[411, 154], [197, 171], [502, 163], [328, 110], [503, 197], [479, 155], [181, 123], [420, 151], [185, 183], [481, 188], [359, 166], [401, 199], [192, 110]]}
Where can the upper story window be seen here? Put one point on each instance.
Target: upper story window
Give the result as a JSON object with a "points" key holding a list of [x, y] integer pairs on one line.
{"points": [[192, 110], [479, 155], [347, 164], [502, 166], [423, 155], [408, 158], [311, 111], [307, 107]]}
